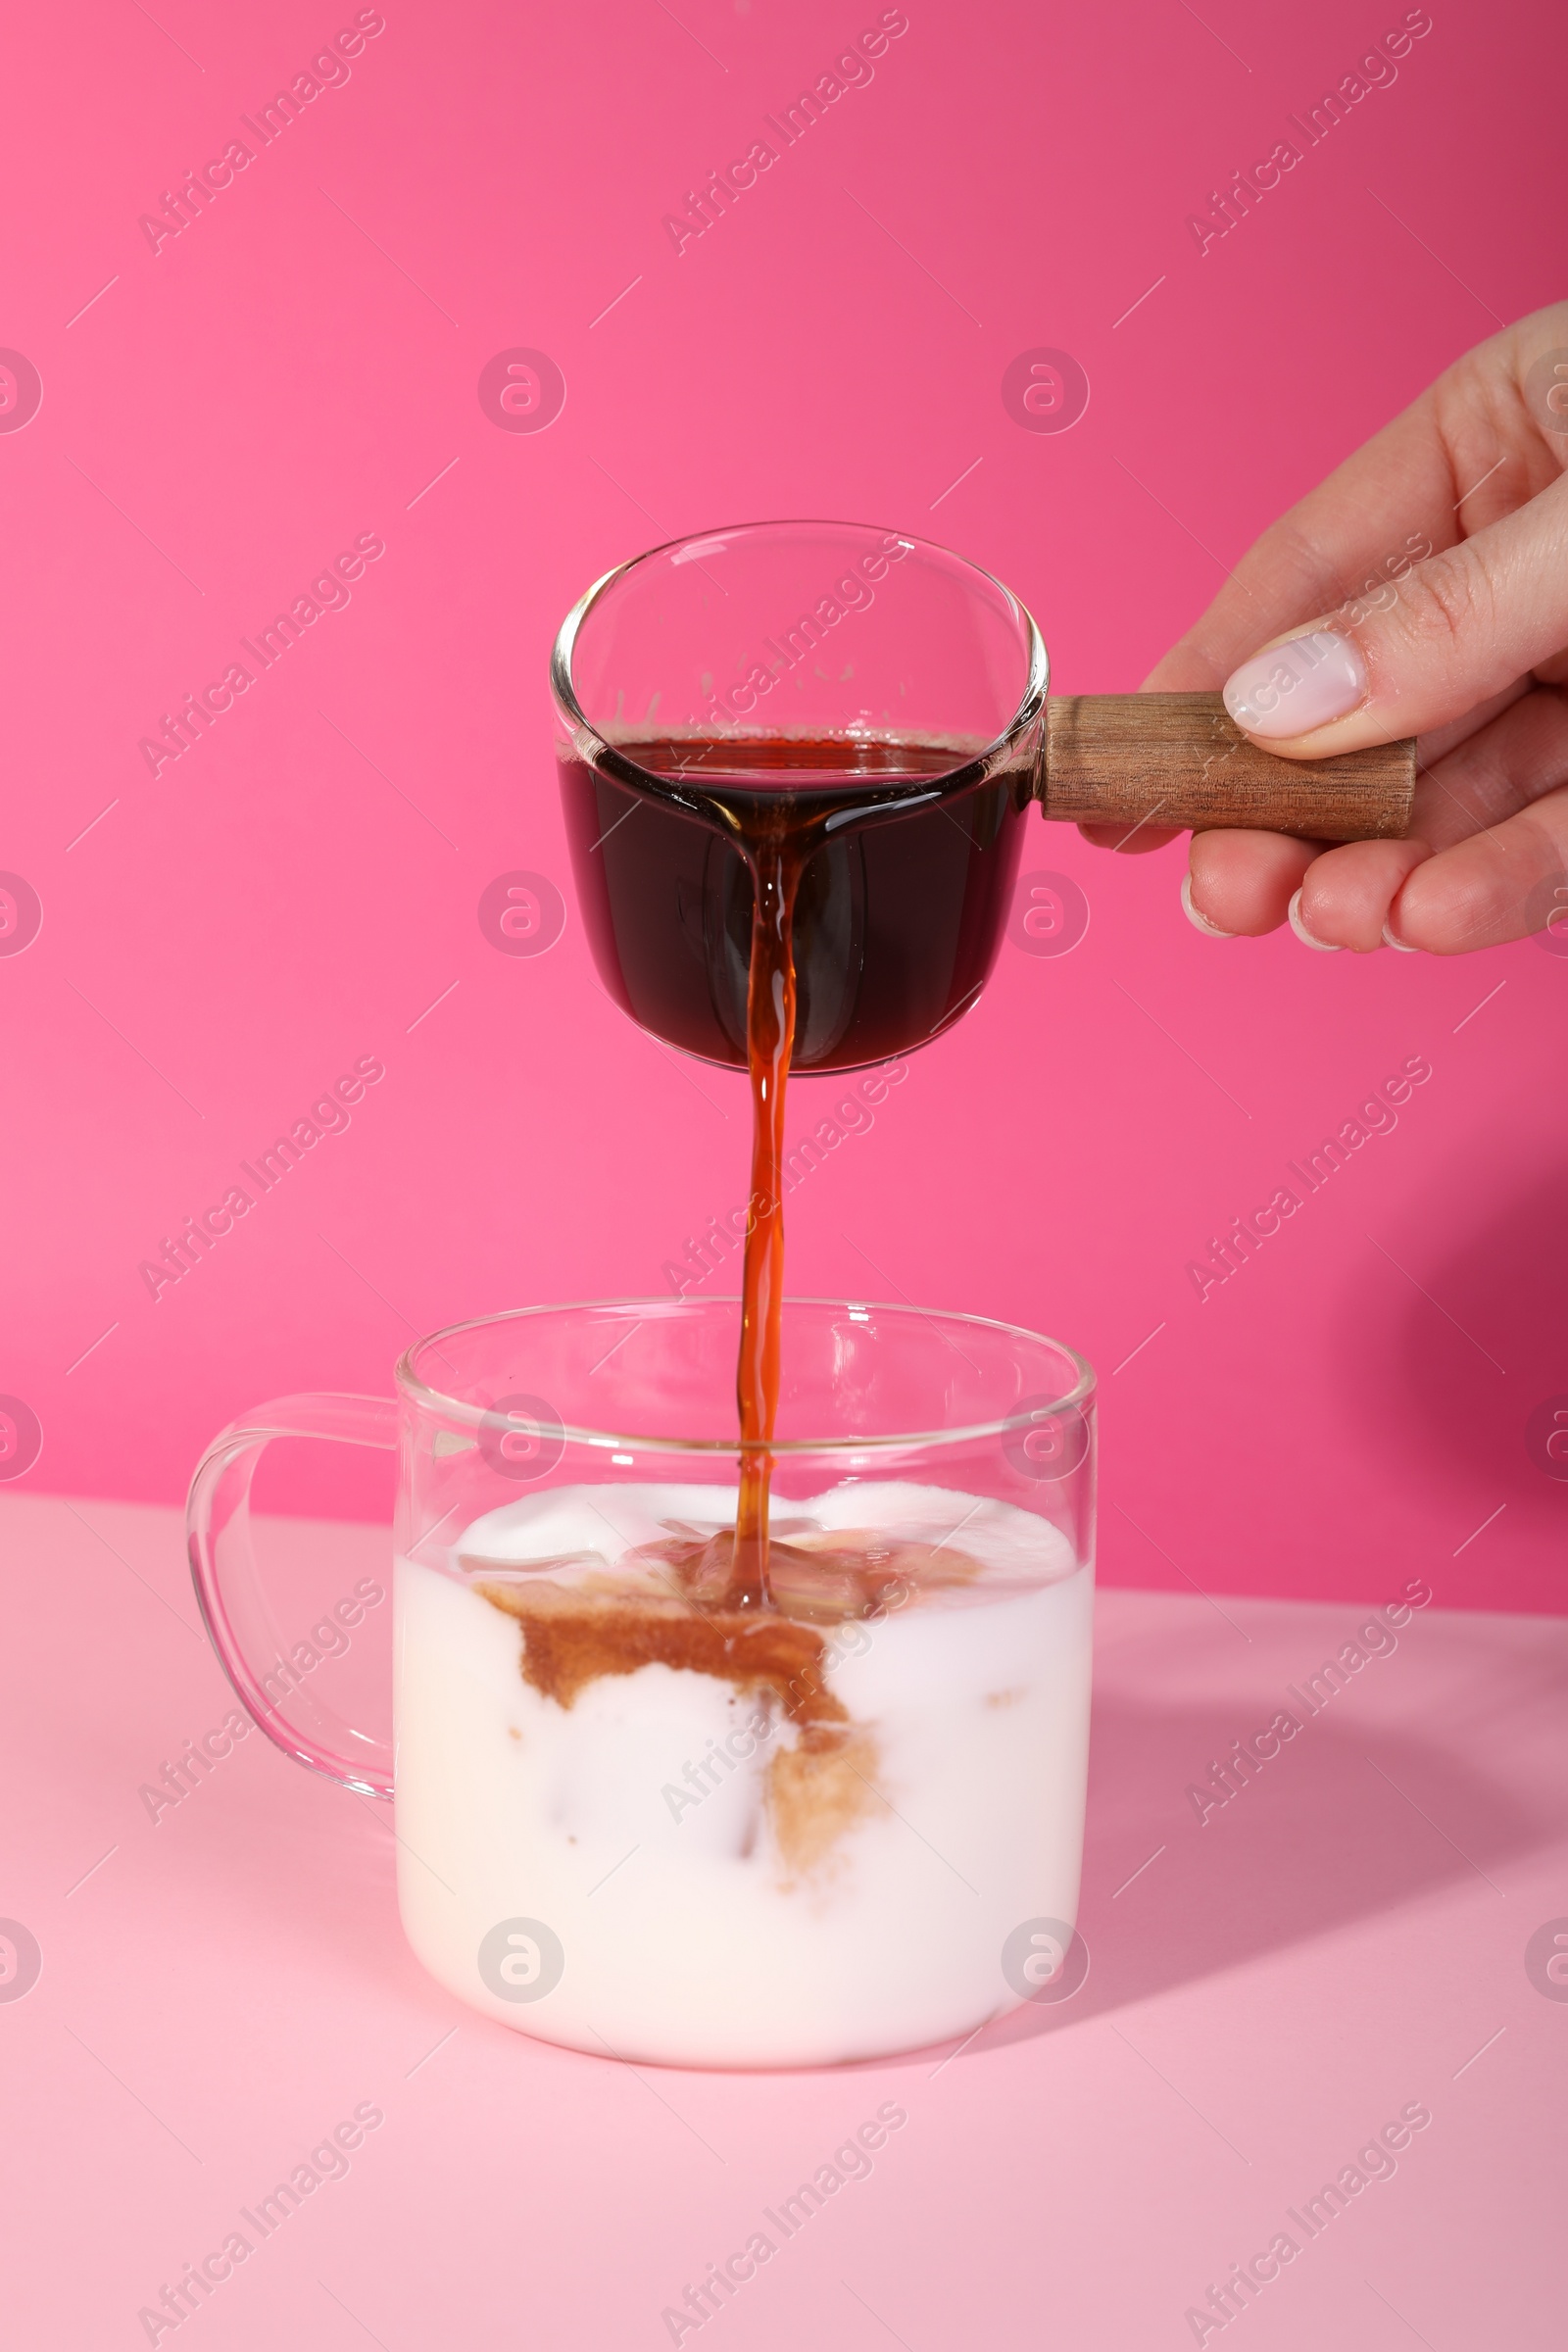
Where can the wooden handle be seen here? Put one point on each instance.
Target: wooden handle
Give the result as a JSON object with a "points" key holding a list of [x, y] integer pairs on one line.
{"points": [[1180, 759]]}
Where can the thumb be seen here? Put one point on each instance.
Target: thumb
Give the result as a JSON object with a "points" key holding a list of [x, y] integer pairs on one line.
{"points": [[1457, 629]]}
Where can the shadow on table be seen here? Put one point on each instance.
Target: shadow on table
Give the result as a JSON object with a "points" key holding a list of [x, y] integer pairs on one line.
{"points": [[1343, 1825]]}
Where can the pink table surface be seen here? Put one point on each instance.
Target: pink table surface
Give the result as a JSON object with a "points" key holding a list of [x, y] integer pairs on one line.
{"points": [[313, 357], [1344, 1940]]}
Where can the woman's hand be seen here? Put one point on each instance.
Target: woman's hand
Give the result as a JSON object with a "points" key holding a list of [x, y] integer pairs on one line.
{"points": [[1422, 590]]}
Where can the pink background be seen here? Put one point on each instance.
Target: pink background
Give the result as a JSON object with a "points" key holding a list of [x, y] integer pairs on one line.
{"points": [[220, 1986], [300, 365]]}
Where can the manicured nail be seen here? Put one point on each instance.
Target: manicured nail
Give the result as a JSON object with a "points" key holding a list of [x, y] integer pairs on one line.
{"points": [[1297, 686], [1324, 947], [1199, 922], [1389, 941]]}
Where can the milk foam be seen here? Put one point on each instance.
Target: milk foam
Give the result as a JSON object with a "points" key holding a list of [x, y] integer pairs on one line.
{"points": [[643, 1823]]}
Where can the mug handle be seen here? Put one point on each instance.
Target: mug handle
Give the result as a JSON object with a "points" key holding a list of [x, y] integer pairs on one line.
{"points": [[233, 1606]]}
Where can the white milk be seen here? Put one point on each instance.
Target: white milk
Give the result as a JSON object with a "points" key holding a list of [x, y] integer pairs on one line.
{"points": [[643, 1826]]}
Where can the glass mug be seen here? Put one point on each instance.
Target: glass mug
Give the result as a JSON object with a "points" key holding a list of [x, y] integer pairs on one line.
{"points": [[634, 1822]]}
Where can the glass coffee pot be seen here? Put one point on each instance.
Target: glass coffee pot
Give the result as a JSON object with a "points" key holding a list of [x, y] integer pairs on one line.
{"points": [[894, 697]]}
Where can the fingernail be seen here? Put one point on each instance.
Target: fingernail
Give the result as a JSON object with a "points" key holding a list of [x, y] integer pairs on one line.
{"points": [[1297, 686], [1199, 922], [1389, 941], [1324, 947]]}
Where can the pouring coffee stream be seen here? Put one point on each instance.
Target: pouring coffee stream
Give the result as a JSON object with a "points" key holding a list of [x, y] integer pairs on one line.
{"points": [[777, 803], [831, 890], [778, 853]]}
